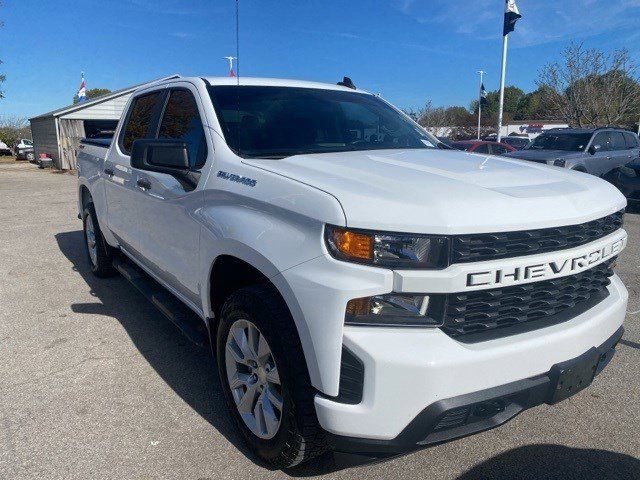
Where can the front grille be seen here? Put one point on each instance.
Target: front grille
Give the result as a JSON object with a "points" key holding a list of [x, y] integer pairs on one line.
{"points": [[486, 310], [492, 246]]}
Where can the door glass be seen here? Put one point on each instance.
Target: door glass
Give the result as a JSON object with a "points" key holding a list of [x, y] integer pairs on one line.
{"points": [[181, 121], [139, 123], [498, 149], [482, 148], [631, 140], [603, 139], [617, 141]]}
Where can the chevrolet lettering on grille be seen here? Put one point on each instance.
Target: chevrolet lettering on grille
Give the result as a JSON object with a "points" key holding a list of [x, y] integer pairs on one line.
{"points": [[561, 266]]}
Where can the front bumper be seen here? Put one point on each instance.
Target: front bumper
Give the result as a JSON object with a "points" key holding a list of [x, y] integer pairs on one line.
{"points": [[409, 370], [474, 412]]}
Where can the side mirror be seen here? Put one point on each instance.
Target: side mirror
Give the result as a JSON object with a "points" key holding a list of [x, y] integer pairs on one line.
{"points": [[164, 156], [593, 149]]}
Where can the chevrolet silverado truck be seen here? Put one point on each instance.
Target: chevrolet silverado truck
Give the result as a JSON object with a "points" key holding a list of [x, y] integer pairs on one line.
{"points": [[362, 288]]}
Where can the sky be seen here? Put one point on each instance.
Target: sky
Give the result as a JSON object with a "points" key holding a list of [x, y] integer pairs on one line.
{"points": [[409, 51]]}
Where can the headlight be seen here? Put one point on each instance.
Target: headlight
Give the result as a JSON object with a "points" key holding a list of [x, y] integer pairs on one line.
{"points": [[391, 250], [395, 309], [559, 163]]}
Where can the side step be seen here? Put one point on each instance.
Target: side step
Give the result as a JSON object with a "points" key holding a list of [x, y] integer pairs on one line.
{"points": [[189, 323]]}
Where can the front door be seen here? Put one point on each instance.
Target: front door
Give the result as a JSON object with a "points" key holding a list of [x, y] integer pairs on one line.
{"points": [[170, 232]]}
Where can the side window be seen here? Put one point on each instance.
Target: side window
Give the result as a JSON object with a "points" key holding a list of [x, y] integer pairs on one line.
{"points": [[482, 148], [181, 121], [140, 119], [603, 139], [617, 141], [631, 140], [498, 150]]}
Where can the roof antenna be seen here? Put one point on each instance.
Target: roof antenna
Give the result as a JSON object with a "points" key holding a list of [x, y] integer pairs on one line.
{"points": [[238, 77], [346, 82]]}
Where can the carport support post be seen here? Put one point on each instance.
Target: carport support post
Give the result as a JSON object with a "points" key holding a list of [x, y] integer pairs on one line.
{"points": [[502, 79]]}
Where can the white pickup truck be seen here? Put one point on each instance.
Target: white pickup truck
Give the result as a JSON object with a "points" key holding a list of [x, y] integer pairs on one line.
{"points": [[362, 287]]}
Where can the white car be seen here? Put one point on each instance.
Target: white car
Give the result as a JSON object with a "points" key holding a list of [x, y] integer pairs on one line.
{"points": [[4, 149], [24, 150], [362, 289]]}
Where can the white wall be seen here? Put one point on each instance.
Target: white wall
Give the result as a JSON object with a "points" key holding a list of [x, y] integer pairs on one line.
{"points": [[109, 110], [532, 129]]}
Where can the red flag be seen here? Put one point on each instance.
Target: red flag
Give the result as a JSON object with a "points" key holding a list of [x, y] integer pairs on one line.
{"points": [[232, 73]]}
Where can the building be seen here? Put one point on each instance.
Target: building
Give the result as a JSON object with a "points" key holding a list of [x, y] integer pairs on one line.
{"points": [[58, 133], [530, 128]]}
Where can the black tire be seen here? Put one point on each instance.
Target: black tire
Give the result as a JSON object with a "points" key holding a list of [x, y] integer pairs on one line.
{"points": [[103, 265], [299, 437]]}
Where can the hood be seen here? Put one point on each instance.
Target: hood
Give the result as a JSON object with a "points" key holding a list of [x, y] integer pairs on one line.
{"points": [[449, 192], [542, 155]]}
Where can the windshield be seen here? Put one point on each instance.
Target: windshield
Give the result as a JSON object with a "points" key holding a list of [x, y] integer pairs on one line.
{"points": [[568, 142], [277, 122]]}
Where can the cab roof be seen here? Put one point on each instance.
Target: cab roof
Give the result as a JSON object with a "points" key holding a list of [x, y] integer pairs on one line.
{"points": [[277, 82]]}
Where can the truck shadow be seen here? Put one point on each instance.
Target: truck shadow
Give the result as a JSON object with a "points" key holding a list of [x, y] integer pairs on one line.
{"points": [[555, 462], [188, 369]]}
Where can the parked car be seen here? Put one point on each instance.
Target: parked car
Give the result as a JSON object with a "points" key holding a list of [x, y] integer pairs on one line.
{"points": [[446, 140], [23, 150], [4, 149], [518, 143], [482, 146], [361, 289], [596, 151]]}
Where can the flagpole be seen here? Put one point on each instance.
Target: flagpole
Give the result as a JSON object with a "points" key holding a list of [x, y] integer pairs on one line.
{"points": [[505, 39], [480, 102]]}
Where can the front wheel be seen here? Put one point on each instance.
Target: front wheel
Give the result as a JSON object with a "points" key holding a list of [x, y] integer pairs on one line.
{"points": [[265, 380]]}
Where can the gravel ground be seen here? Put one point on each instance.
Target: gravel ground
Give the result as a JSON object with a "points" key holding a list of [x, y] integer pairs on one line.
{"points": [[95, 383]]}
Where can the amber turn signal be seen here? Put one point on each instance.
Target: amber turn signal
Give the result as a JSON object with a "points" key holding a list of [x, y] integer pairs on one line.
{"points": [[353, 244]]}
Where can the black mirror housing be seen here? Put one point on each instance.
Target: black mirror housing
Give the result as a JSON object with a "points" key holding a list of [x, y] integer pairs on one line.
{"points": [[593, 149], [164, 156]]}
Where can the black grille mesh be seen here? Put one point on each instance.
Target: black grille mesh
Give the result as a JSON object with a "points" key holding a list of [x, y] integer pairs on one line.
{"points": [[491, 246], [484, 310]]}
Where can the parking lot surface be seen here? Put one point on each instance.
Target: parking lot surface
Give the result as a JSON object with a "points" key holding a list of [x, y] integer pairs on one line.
{"points": [[95, 383]]}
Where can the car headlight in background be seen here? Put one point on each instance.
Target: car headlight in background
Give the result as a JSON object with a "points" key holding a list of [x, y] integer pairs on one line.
{"points": [[559, 163], [390, 250], [395, 309]]}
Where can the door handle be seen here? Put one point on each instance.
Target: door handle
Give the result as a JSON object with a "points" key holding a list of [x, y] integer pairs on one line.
{"points": [[144, 183], [108, 171]]}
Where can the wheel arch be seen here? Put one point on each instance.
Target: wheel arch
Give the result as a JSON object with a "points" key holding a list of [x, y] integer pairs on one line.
{"points": [[248, 267]]}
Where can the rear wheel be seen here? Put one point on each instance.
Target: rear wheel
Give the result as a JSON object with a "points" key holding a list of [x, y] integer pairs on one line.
{"points": [[265, 380], [100, 254]]}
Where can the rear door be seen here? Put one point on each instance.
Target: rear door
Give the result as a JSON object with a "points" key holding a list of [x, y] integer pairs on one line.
{"points": [[123, 215], [619, 149], [633, 147], [170, 232]]}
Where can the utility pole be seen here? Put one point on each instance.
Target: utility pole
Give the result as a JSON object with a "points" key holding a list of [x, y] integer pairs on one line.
{"points": [[482, 74], [503, 74]]}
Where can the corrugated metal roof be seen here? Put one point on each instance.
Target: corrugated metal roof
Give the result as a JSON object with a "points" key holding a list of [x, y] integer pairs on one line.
{"points": [[100, 99]]}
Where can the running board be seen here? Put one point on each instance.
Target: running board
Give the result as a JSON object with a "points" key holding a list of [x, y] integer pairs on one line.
{"points": [[187, 321]]}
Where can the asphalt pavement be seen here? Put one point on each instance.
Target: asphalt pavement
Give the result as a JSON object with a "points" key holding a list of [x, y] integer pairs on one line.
{"points": [[96, 383]]}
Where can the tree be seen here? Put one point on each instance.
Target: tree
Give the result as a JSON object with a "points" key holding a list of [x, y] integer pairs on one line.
{"points": [[590, 88], [13, 129], [92, 93]]}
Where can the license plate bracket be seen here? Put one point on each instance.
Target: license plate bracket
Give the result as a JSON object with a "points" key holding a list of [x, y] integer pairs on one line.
{"points": [[573, 376]]}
